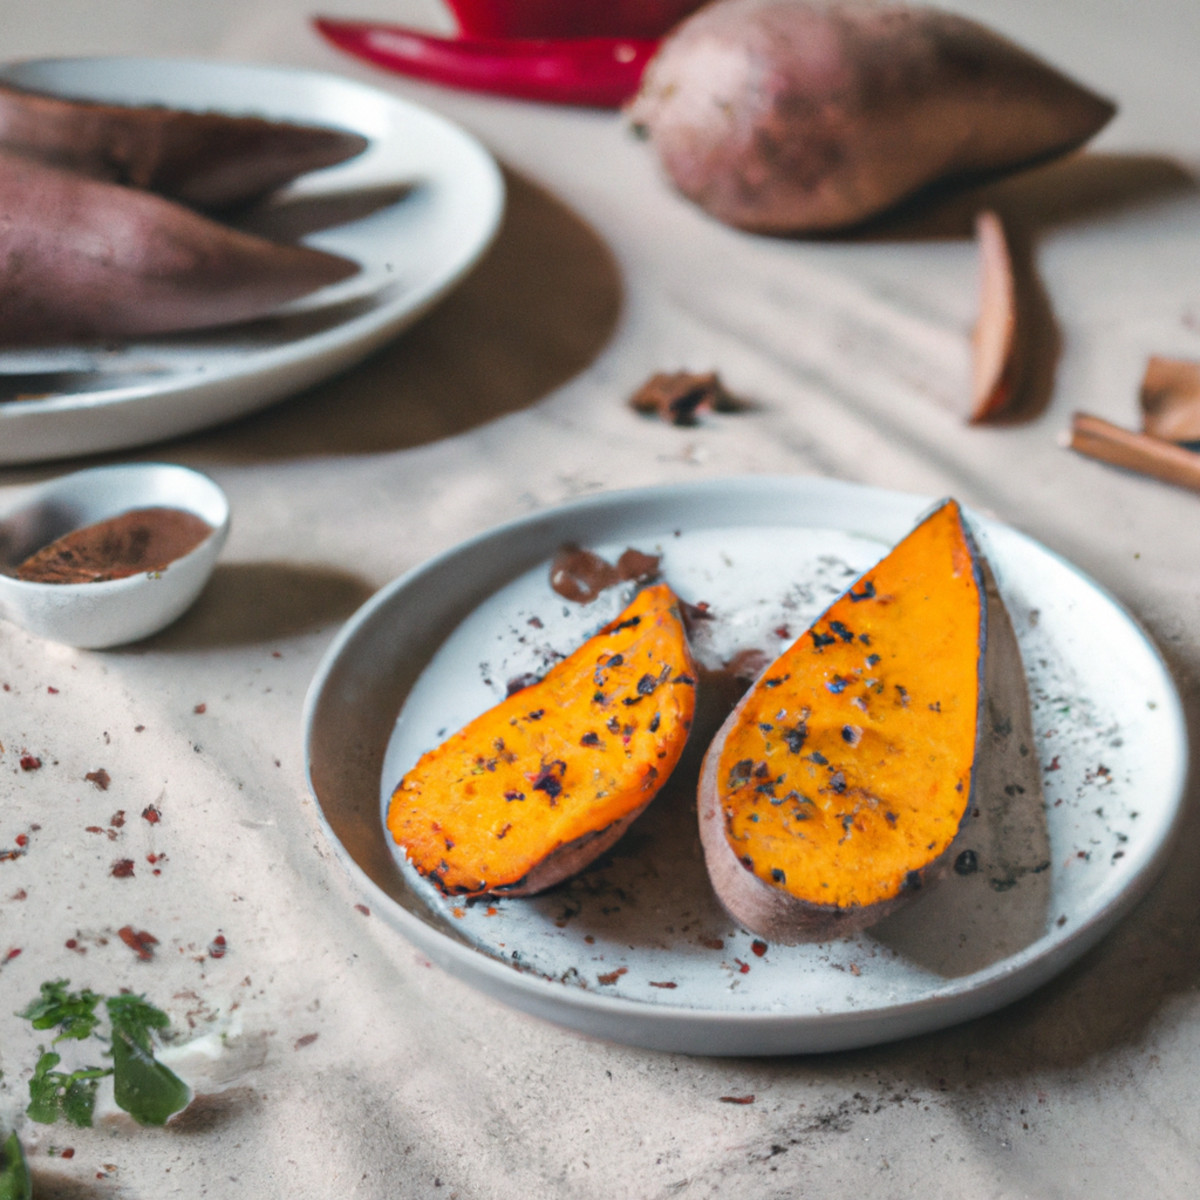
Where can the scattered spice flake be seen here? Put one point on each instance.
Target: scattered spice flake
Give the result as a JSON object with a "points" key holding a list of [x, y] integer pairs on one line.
{"points": [[52, 690], [15, 952], [1170, 399], [200, 709], [19, 894], [306, 1040], [218, 947], [611, 977], [117, 820], [122, 869], [152, 814], [738, 1099], [362, 908], [139, 941], [30, 762], [713, 943], [743, 967], [581, 575], [100, 778], [678, 397], [759, 947], [67, 1152], [668, 983], [73, 944]]}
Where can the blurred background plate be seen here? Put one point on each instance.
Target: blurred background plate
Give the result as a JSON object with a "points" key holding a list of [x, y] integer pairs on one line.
{"points": [[416, 210]]}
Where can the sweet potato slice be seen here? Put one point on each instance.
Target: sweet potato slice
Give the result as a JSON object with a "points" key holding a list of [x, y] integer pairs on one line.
{"points": [[207, 160], [82, 260], [837, 787], [536, 788]]}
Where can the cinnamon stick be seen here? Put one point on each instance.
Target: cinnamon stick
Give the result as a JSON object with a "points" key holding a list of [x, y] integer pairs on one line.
{"points": [[1097, 438]]}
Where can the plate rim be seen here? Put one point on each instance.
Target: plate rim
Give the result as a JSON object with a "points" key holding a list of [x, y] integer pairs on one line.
{"points": [[276, 370], [681, 1028]]}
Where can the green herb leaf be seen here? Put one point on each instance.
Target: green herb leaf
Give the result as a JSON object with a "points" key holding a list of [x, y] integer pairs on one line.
{"points": [[148, 1091], [54, 1094], [43, 1089], [135, 1017], [73, 1012], [15, 1181]]}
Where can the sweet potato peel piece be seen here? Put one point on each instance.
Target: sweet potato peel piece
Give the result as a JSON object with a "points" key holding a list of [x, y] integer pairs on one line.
{"points": [[537, 787], [207, 160], [1170, 399], [995, 341], [837, 787]]}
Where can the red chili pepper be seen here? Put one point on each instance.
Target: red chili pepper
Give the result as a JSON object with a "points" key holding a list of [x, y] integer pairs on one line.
{"points": [[600, 72]]}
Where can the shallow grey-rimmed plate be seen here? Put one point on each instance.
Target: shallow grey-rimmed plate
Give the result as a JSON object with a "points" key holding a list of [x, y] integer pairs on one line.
{"points": [[416, 211], [636, 949]]}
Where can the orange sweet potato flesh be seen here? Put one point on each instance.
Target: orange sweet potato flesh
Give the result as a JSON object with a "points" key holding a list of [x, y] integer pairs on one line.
{"points": [[837, 787], [537, 787], [83, 260], [207, 160]]}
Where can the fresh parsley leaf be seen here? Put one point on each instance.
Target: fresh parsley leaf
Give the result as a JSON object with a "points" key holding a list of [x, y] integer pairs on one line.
{"points": [[148, 1091], [134, 1016], [54, 1094], [74, 1013], [15, 1181]]}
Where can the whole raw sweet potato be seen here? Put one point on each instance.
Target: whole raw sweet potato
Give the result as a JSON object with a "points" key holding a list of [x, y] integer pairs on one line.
{"points": [[82, 260], [208, 160], [800, 116]]}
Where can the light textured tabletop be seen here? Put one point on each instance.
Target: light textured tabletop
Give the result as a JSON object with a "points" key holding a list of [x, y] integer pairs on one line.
{"points": [[350, 1066]]}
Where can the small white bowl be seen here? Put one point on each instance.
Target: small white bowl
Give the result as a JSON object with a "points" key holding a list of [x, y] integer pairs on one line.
{"points": [[112, 612]]}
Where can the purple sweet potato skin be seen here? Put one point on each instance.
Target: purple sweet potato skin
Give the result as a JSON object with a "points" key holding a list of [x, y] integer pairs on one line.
{"points": [[83, 260], [207, 160], [789, 116]]}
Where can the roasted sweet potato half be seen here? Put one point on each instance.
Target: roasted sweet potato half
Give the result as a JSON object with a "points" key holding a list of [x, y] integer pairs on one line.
{"points": [[207, 160], [536, 788], [796, 116], [837, 787], [82, 260]]}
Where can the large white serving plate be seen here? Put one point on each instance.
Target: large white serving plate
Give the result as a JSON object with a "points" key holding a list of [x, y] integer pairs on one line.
{"points": [[440, 197], [636, 949]]}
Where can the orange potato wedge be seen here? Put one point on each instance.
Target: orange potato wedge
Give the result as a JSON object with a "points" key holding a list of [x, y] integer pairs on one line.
{"points": [[536, 788], [207, 160], [837, 787]]}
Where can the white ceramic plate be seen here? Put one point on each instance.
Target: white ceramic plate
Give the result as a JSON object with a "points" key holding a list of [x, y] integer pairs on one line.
{"points": [[441, 197], [636, 949]]}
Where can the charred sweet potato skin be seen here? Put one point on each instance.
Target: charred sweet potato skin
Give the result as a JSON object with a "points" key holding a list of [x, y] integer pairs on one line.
{"points": [[207, 160], [837, 787], [533, 789]]}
